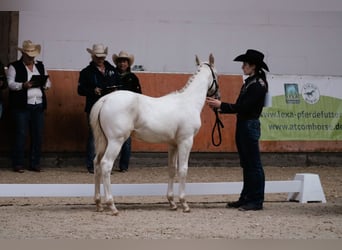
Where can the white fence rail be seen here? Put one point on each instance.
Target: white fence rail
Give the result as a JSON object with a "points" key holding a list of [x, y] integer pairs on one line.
{"points": [[304, 188]]}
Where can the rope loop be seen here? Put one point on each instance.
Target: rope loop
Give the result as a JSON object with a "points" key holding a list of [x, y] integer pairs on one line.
{"points": [[218, 125]]}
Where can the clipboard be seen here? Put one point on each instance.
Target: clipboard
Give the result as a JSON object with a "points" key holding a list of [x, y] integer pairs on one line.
{"points": [[110, 89], [39, 81]]}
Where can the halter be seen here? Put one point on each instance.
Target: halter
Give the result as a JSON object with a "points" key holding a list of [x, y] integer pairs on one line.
{"points": [[218, 123], [214, 83]]}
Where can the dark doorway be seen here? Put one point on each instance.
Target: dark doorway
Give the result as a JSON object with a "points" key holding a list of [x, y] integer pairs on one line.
{"points": [[9, 25]]}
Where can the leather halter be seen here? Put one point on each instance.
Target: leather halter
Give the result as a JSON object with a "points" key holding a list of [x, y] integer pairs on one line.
{"points": [[214, 83]]}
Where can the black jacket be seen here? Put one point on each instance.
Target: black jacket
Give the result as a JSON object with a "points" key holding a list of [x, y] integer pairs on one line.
{"points": [[250, 102], [91, 78], [129, 81]]}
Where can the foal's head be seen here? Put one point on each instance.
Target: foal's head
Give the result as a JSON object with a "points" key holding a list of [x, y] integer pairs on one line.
{"points": [[213, 87]]}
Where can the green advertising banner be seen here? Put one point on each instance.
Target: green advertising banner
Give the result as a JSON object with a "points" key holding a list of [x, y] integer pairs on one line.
{"points": [[302, 108]]}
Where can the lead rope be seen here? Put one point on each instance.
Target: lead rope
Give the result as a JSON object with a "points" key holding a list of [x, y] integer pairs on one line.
{"points": [[218, 124]]}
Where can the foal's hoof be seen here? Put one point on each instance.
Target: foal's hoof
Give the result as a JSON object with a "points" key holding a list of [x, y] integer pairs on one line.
{"points": [[173, 207], [99, 209], [115, 213], [186, 210]]}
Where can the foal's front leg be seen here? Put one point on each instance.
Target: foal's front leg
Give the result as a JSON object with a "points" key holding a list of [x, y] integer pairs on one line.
{"points": [[183, 159], [172, 165]]}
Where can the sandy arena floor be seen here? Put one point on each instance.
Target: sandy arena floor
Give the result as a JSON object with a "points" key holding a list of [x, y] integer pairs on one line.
{"points": [[150, 217]]}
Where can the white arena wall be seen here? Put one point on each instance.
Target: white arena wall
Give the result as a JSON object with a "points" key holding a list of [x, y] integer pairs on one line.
{"points": [[297, 37]]}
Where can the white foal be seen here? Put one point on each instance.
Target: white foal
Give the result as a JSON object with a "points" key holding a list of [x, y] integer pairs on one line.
{"points": [[173, 119]]}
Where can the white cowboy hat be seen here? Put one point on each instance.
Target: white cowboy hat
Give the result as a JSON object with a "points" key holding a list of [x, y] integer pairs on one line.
{"points": [[123, 54], [30, 48], [98, 50]]}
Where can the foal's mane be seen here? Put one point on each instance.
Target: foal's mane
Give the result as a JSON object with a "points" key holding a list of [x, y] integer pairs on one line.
{"points": [[191, 79]]}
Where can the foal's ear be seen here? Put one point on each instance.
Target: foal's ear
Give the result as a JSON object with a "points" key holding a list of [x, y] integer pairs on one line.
{"points": [[211, 59], [198, 62]]}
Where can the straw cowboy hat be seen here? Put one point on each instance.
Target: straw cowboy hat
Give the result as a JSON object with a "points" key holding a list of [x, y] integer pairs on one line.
{"points": [[125, 55], [30, 48], [98, 50], [253, 56]]}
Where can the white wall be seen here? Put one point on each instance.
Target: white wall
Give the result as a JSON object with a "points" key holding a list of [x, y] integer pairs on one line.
{"points": [[164, 36]]}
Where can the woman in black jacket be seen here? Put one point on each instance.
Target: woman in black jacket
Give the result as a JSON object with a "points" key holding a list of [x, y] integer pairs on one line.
{"points": [[127, 80], [248, 108]]}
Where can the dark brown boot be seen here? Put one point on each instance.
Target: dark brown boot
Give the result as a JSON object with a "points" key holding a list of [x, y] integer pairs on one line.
{"points": [[235, 204], [35, 168], [18, 169]]}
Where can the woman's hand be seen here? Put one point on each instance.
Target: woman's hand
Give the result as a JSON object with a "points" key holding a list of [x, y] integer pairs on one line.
{"points": [[97, 91], [27, 85], [213, 103]]}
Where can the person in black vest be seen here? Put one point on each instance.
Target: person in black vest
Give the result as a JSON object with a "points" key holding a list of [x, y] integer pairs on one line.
{"points": [[95, 81], [27, 103], [3, 84], [248, 108], [126, 81]]}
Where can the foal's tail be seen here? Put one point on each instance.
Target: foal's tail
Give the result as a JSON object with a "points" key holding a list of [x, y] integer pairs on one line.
{"points": [[99, 136]]}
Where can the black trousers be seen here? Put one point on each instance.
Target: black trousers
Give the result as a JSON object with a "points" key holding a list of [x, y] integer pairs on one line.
{"points": [[247, 141]]}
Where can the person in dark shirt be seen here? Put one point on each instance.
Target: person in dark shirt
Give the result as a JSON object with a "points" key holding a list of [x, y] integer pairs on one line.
{"points": [[126, 81], [95, 81], [248, 108]]}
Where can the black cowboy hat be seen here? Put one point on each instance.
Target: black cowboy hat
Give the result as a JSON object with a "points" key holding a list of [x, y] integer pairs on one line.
{"points": [[253, 56]]}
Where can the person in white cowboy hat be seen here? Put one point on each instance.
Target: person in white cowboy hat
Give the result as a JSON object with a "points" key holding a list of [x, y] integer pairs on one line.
{"points": [[96, 80], [127, 81], [248, 108], [27, 103]]}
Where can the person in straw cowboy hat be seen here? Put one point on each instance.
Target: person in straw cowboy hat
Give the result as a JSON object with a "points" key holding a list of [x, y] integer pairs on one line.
{"points": [[248, 108], [127, 81], [27, 102], [96, 80]]}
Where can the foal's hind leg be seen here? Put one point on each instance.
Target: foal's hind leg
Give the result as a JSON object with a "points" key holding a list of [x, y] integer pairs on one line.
{"points": [[172, 165], [97, 176], [112, 150]]}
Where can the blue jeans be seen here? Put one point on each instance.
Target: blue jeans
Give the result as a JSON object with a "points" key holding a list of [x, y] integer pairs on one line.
{"points": [[90, 150], [31, 118], [247, 142], [125, 154]]}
